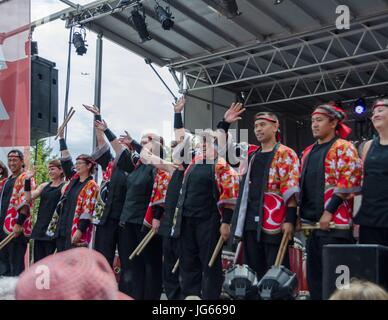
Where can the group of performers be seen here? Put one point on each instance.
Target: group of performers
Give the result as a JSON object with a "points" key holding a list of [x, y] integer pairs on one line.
{"points": [[200, 196]]}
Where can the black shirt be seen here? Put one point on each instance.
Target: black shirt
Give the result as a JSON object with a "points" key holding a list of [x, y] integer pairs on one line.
{"points": [[6, 198], [49, 199], [259, 165], [313, 182], [199, 199], [116, 189], [374, 207], [139, 189], [171, 202], [68, 211]]}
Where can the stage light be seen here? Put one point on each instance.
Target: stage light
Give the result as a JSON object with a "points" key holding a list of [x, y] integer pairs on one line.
{"points": [[79, 41], [231, 7], [360, 107], [138, 20], [241, 282], [278, 283], [164, 16], [278, 2]]}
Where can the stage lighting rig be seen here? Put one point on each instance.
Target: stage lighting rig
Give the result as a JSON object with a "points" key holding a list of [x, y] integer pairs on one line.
{"points": [[138, 18], [164, 16], [79, 41]]}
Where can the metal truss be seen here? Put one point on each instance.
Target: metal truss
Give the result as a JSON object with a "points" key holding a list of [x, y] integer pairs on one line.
{"points": [[96, 10], [322, 83], [323, 50]]}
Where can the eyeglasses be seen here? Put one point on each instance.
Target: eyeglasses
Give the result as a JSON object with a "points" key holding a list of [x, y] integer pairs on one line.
{"points": [[80, 162]]}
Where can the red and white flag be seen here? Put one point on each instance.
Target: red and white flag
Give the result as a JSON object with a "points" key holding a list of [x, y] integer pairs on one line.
{"points": [[14, 74]]}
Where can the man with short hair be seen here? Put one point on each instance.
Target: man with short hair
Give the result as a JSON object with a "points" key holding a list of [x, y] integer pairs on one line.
{"points": [[14, 216], [331, 174]]}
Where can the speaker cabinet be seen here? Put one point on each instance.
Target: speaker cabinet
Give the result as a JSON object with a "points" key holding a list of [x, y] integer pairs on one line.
{"points": [[44, 98], [362, 261]]}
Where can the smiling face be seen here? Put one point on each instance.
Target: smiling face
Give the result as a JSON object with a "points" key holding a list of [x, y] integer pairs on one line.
{"points": [[380, 117], [82, 166], [321, 125], [15, 163], [54, 172], [266, 127]]}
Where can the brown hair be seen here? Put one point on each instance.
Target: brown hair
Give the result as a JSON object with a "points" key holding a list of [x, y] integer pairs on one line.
{"points": [[56, 163], [4, 173], [88, 159], [360, 290]]}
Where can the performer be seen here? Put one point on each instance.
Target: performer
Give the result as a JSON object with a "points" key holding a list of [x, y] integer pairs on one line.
{"points": [[266, 206], [3, 171], [163, 212], [331, 174], [71, 223], [112, 194], [205, 207], [141, 283], [15, 216], [373, 213], [50, 194]]}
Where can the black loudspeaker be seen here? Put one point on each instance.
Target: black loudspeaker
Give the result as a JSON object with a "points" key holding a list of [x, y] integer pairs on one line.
{"points": [[362, 261], [44, 99]]}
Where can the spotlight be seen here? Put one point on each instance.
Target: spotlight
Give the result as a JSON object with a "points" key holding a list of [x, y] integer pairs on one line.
{"points": [[138, 20], [360, 107], [278, 2], [164, 16], [230, 6], [79, 41]]}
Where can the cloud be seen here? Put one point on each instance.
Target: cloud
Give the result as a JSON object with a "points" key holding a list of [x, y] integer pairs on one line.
{"points": [[132, 97]]}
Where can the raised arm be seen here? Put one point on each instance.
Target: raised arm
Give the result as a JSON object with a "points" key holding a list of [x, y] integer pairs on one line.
{"points": [[149, 158], [97, 116], [66, 161], [179, 129]]}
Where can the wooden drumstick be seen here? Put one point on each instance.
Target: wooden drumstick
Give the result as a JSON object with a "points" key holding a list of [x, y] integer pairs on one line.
{"points": [[175, 266], [7, 240], [65, 122], [139, 245], [216, 251], [150, 236], [282, 250], [315, 226]]}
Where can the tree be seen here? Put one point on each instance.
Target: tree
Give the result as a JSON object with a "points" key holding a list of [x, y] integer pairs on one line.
{"points": [[40, 156]]}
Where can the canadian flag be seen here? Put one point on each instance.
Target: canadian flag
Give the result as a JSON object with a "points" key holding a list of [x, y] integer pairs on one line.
{"points": [[14, 74]]}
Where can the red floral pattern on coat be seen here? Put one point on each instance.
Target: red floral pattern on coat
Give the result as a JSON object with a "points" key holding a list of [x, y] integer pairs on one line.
{"points": [[107, 173], [283, 183], [343, 174], [17, 201], [158, 195], [84, 209]]}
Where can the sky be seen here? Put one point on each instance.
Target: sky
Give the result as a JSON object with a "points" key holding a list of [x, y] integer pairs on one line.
{"points": [[132, 97]]}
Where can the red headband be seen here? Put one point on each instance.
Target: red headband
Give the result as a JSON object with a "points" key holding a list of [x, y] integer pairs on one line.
{"points": [[266, 118], [380, 103], [343, 130], [89, 160]]}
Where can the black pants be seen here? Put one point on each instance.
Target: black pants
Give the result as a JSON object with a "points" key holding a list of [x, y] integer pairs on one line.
{"points": [[198, 239], [141, 277], [107, 239], [371, 235], [314, 247], [43, 248], [61, 244], [261, 256], [12, 256], [171, 283]]}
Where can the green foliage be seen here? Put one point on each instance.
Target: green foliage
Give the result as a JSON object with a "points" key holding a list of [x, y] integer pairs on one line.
{"points": [[40, 156]]}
